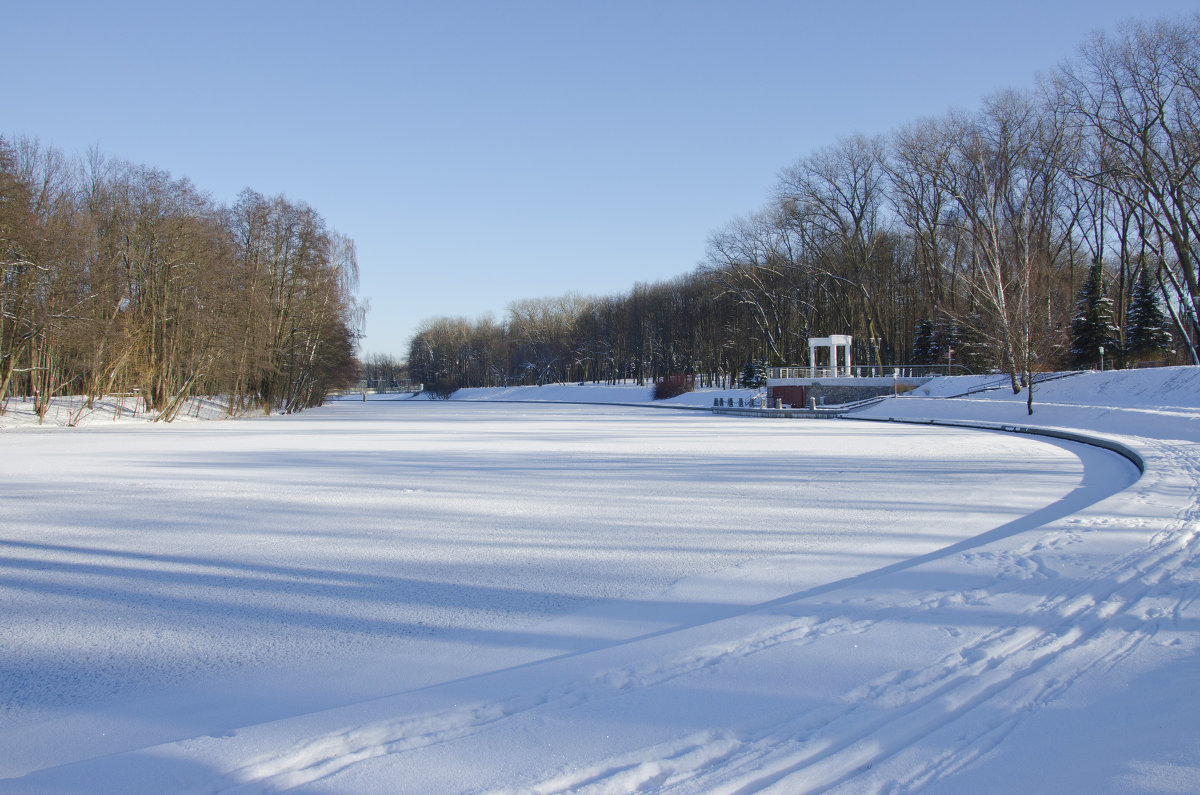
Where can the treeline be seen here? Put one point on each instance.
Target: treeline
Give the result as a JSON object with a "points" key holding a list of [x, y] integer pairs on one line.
{"points": [[978, 239], [117, 279]]}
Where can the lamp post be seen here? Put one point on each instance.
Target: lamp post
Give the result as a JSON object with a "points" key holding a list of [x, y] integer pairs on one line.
{"points": [[1102, 358]]}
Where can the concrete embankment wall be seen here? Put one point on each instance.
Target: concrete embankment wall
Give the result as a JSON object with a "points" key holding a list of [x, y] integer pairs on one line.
{"points": [[831, 392]]}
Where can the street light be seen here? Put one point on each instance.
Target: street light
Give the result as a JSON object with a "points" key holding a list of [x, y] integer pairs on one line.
{"points": [[1102, 358]]}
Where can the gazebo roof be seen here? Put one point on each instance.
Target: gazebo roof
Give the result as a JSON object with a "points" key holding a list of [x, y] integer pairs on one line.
{"points": [[830, 341]]}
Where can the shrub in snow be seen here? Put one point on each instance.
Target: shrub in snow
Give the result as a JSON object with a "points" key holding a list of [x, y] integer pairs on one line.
{"points": [[443, 388]]}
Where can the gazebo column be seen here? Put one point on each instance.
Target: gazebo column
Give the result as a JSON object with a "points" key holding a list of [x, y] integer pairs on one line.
{"points": [[832, 343]]}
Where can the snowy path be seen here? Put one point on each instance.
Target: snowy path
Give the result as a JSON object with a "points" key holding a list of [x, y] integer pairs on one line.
{"points": [[853, 662]]}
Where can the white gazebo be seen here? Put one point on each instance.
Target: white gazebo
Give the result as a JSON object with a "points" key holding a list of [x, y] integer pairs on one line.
{"points": [[832, 343]]}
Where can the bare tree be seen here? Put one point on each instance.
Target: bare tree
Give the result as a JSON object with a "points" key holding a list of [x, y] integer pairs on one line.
{"points": [[998, 173], [1139, 96], [839, 190]]}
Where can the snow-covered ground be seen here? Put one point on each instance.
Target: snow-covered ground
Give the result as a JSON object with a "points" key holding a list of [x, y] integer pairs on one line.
{"points": [[78, 412], [427, 596]]}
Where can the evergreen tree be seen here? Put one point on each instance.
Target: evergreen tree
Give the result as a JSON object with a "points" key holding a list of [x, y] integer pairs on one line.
{"points": [[971, 348], [1146, 329], [922, 350], [945, 348], [754, 374], [1092, 326]]}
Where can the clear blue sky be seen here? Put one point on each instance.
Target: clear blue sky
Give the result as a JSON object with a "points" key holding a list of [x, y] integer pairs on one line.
{"points": [[482, 152]]}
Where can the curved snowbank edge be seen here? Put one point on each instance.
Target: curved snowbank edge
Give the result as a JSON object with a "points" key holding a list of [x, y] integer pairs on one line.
{"points": [[1056, 433]]}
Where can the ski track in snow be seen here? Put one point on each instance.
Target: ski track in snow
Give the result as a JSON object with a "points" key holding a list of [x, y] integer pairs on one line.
{"points": [[1077, 627], [1091, 625], [326, 755]]}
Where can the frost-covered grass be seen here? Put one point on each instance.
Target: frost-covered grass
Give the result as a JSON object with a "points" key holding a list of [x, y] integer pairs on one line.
{"points": [[431, 596]]}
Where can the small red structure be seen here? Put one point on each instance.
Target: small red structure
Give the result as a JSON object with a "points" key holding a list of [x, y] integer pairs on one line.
{"points": [[792, 395]]}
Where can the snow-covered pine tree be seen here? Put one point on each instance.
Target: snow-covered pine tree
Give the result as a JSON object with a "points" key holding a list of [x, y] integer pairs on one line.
{"points": [[947, 342], [754, 374], [922, 350], [1147, 332], [1092, 325], [972, 349]]}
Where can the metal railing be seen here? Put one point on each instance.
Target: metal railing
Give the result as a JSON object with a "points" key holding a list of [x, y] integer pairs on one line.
{"points": [[867, 371], [1005, 382]]}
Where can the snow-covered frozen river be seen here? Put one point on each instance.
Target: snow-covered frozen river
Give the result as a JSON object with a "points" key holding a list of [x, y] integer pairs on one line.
{"points": [[166, 583]]}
